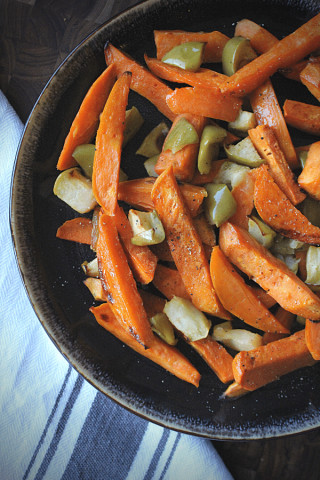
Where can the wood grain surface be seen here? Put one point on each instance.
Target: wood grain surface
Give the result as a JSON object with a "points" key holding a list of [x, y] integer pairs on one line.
{"points": [[35, 36]]}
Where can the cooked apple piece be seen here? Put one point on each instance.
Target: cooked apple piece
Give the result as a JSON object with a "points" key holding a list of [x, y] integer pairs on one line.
{"points": [[133, 123], [301, 320], [290, 260], [146, 227], [123, 177], [152, 144], [96, 289], [161, 325], [211, 138], [261, 232], [231, 174], [84, 155], [187, 319], [285, 246], [188, 56], [149, 165], [313, 265], [238, 339], [91, 268], [311, 209], [219, 205], [244, 122], [181, 134], [244, 153], [75, 189], [236, 53]]}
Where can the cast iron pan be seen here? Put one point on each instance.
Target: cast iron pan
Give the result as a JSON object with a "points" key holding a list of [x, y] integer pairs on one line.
{"points": [[51, 269]]}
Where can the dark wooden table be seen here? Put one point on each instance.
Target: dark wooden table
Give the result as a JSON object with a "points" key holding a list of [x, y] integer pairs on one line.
{"points": [[35, 36]]}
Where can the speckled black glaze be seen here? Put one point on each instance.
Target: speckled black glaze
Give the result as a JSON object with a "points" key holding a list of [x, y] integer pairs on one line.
{"points": [[51, 268]]}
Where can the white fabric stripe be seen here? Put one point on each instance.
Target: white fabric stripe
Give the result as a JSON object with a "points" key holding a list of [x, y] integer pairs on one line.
{"points": [[49, 421], [31, 375], [157, 454], [25, 419], [53, 426], [207, 466], [201, 464], [145, 453], [71, 432], [165, 457], [29, 392]]}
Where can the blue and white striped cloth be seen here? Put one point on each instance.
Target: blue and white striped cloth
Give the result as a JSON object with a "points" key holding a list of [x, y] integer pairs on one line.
{"points": [[53, 424]]}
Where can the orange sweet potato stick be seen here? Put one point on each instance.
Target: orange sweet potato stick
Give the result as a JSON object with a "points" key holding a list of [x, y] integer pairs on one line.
{"points": [[258, 367], [267, 111], [303, 116], [153, 304], [286, 318], [137, 193], [202, 179], [77, 230], [159, 352], [143, 81], [207, 251], [310, 77], [233, 392], [263, 296], [313, 338], [269, 337], [205, 230], [183, 161], [293, 71], [268, 271], [141, 259], [279, 213], [204, 102], [162, 251], [260, 39], [309, 178], [203, 77], [185, 244], [243, 193], [118, 282], [266, 143], [106, 165], [284, 53], [216, 356], [169, 282], [215, 41], [239, 298], [302, 266], [86, 122]]}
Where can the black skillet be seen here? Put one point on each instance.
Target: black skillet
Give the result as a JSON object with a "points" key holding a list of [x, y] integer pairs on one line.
{"points": [[51, 267]]}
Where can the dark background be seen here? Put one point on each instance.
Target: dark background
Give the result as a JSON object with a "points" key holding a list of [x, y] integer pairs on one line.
{"points": [[35, 37]]}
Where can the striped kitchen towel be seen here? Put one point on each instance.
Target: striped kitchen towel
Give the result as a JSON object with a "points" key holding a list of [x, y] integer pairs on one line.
{"points": [[53, 423]]}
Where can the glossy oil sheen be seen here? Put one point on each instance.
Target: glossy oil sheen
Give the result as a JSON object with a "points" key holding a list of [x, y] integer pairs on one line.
{"points": [[51, 267]]}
